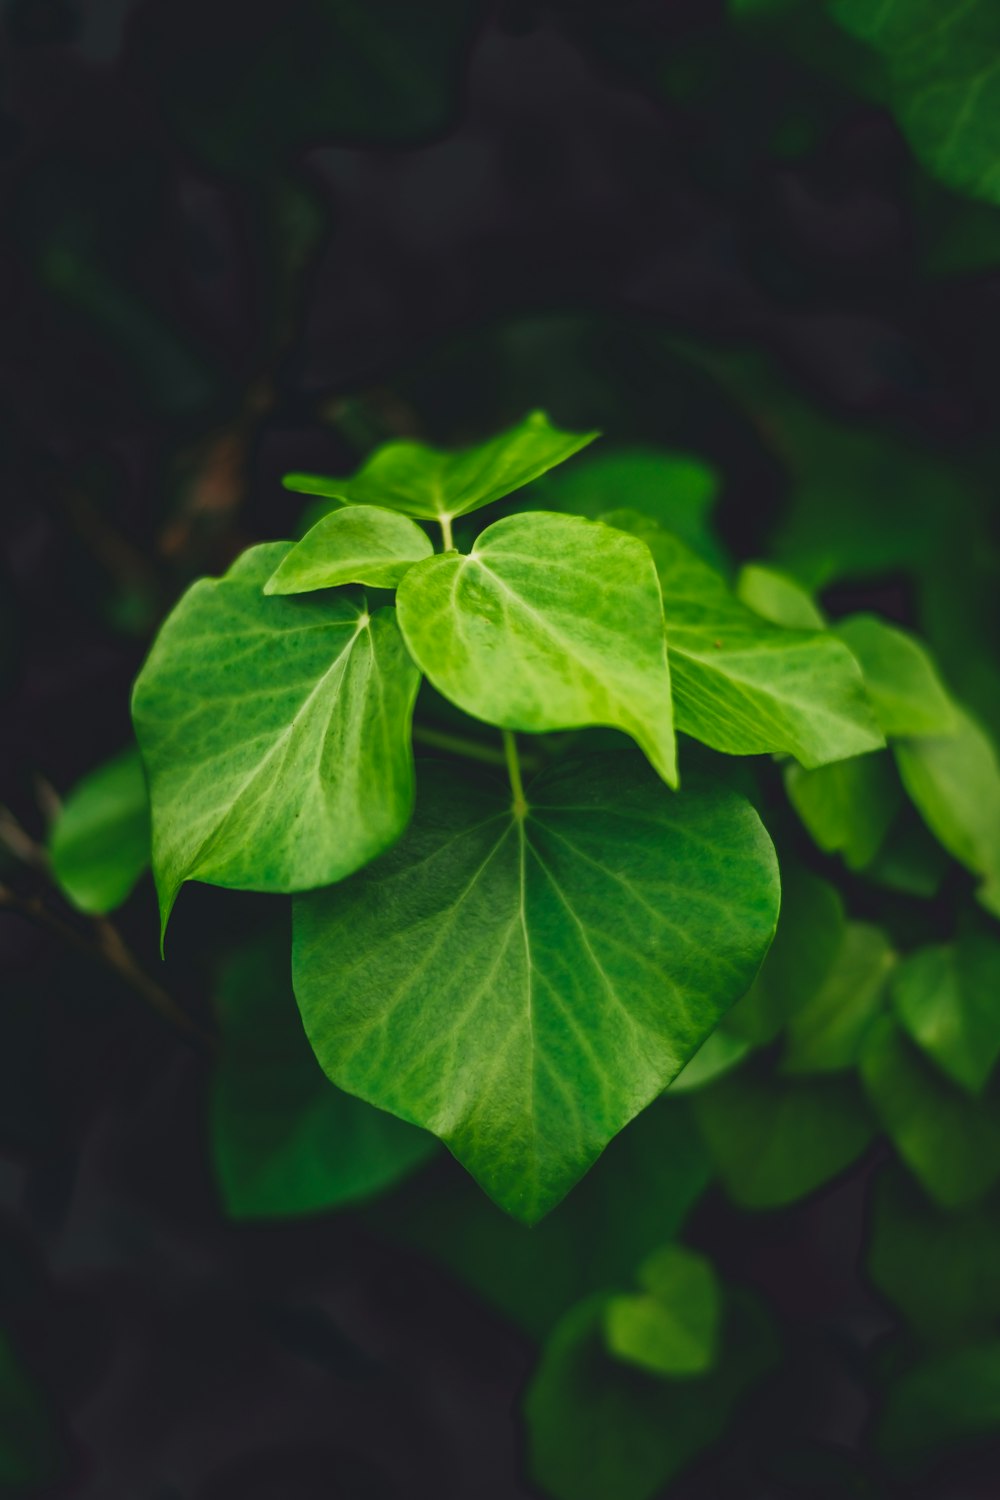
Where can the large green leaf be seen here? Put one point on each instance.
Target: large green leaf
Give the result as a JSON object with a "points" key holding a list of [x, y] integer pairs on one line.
{"points": [[900, 678], [276, 734], [774, 1140], [672, 1326], [948, 998], [949, 1141], [523, 986], [598, 1428], [285, 1140], [436, 484], [848, 806], [954, 781], [551, 622], [360, 544], [743, 685], [941, 57], [99, 844]]}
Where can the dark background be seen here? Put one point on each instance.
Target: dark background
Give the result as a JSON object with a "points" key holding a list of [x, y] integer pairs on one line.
{"points": [[238, 239]]}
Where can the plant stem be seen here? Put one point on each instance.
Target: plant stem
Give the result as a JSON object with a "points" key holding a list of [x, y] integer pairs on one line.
{"points": [[514, 772], [440, 739], [447, 541]]}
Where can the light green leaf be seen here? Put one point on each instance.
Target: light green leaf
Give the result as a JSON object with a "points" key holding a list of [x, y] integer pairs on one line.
{"points": [[949, 1141], [945, 1399], [745, 686], [276, 735], [99, 844], [948, 999], [673, 1328], [847, 806], [551, 622], [826, 1032], [943, 64], [599, 1429], [435, 484], [284, 1139], [524, 986], [777, 597], [900, 678], [361, 544], [773, 1140], [942, 1270], [722, 1051], [954, 782]]}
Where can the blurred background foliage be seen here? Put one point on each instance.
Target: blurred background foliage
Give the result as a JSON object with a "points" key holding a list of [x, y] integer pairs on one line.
{"points": [[759, 245]]}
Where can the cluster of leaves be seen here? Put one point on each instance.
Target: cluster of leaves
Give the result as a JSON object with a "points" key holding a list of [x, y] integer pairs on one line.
{"points": [[526, 961]]}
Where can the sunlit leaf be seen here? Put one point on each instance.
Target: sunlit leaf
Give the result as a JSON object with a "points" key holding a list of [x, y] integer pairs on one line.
{"points": [[900, 678], [777, 597], [672, 1327], [359, 544]]}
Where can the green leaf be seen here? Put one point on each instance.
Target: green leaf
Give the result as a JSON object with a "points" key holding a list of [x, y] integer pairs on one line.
{"points": [[941, 59], [773, 1140], [946, 997], [900, 678], [673, 1329], [942, 1270], [551, 622], [848, 806], [636, 1196], [276, 735], [599, 1428], [722, 1051], [949, 1141], [777, 597], [909, 859], [361, 544], [30, 1447], [284, 1139], [954, 782], [742, 685], [99, 843], [434, 484], [523, 986], [826, 1032], [943, 1400]]}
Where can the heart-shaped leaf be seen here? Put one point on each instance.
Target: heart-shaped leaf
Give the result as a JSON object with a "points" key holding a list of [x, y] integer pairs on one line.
{"points": [[743, 685], [276, 735], [523, 986], [360, 544], [672, 1328], [551, 622], [946, 997], [436, 484]]}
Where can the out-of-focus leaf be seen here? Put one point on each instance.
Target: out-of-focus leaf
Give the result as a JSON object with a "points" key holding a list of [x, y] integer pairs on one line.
{"points": [[942, 1270], [30, 1447], [847, 806], [599, 1428], [900, 678], [672, 1328], [722, 1051], [909, 859], [99, 843], [948, 998], [826, 1032], [777, 597], [284, 1139], [949, 1141], [773, 1139], [945, 1399]]}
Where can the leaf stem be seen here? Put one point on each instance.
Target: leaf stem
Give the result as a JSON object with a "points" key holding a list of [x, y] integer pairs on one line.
{"points": [[459, 744], [514, 772], [447, 541]]}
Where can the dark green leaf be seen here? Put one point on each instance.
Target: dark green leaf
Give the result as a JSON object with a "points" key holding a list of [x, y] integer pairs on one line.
{"points": [[826, 1032], [947, 1398], [30, 1447], [360, 544], [99, 844], [948, 999], [524, 986], [847, 806]]}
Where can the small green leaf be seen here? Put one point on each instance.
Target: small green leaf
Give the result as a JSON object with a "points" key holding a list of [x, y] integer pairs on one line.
{"points": [[361, 544], [434, 484], [673, 1329], [745, 686], [551, 622], [943, 1400], [826, 1032], [276, 735], [900, 678], [777, 597], [523, 986], [99, 844], [948, 999], [942, 1270], [599, 1428], [954, 782], [773, 1140], [284, 1139], [847, 806], [949, 1141]]}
